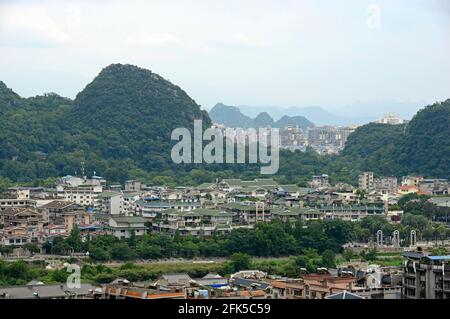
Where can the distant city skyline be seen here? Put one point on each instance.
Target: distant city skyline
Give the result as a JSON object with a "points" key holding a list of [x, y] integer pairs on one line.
{"points": [[352, 60]]}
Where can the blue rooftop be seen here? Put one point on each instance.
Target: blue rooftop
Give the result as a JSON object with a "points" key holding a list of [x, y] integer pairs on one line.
{"points": [[447, 257]]}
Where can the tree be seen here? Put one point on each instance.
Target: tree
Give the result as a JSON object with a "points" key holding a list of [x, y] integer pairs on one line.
{"points": [[370, 255], [238, 262], [60, 246], [418, 222], [74, 239], [439, 251], [348, 254], [31, 247], [6, 250], [441, 231], [148, 251], [121, 251], [132, 240], [310, 261], [328, 259], [99, 254]]}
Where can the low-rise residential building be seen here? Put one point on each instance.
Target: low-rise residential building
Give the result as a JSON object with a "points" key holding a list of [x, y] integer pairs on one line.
{"points": [[151, 209], [199, 222], [133, 186], [111, 203], [84, 195], [366, 181], [16, 202], [14, 236], [20, 225], [440, 201], [292, 190], [129, 202], [319, 181], [412, 180], [248, 213], [175, 280], [426, 276], [124, 226], [351, 213], [434, 186], [386, 185], [292, 214], [229, 185], [66, 213], [408, 189]]}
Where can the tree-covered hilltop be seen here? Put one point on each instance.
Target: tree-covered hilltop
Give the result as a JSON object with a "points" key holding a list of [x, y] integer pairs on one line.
{"points": [[120, 123], [426, 144], [299, 121], [120, 127], [373, 145], [263, 120], [229, 116], [127, 114], [422, 146]]}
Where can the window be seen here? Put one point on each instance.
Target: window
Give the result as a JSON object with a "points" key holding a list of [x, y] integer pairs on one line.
{"points": [[297, 293]]}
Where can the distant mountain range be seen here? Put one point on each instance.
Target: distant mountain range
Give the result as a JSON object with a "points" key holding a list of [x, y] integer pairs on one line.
{"points": [[356, 113], [231, 116], [315, 114]]}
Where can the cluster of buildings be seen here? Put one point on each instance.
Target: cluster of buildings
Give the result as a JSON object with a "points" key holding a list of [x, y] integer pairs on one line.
{"points": [[422, 276], [323, 139], [392, 119], [373, 282], [408, 185], [38, 215]]}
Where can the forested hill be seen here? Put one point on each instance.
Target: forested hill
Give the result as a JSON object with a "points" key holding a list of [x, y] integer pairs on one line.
{"points": [[422, 146], [120, 123], [120, 127]]}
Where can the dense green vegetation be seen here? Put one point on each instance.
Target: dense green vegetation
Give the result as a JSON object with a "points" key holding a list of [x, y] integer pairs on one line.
{"points": [[274, 239], [20, 272], [422, 146], [120, 127], [303, 246]]}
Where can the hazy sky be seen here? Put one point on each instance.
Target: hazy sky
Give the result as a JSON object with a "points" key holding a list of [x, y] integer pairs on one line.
{"points": [[246, 52]]}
